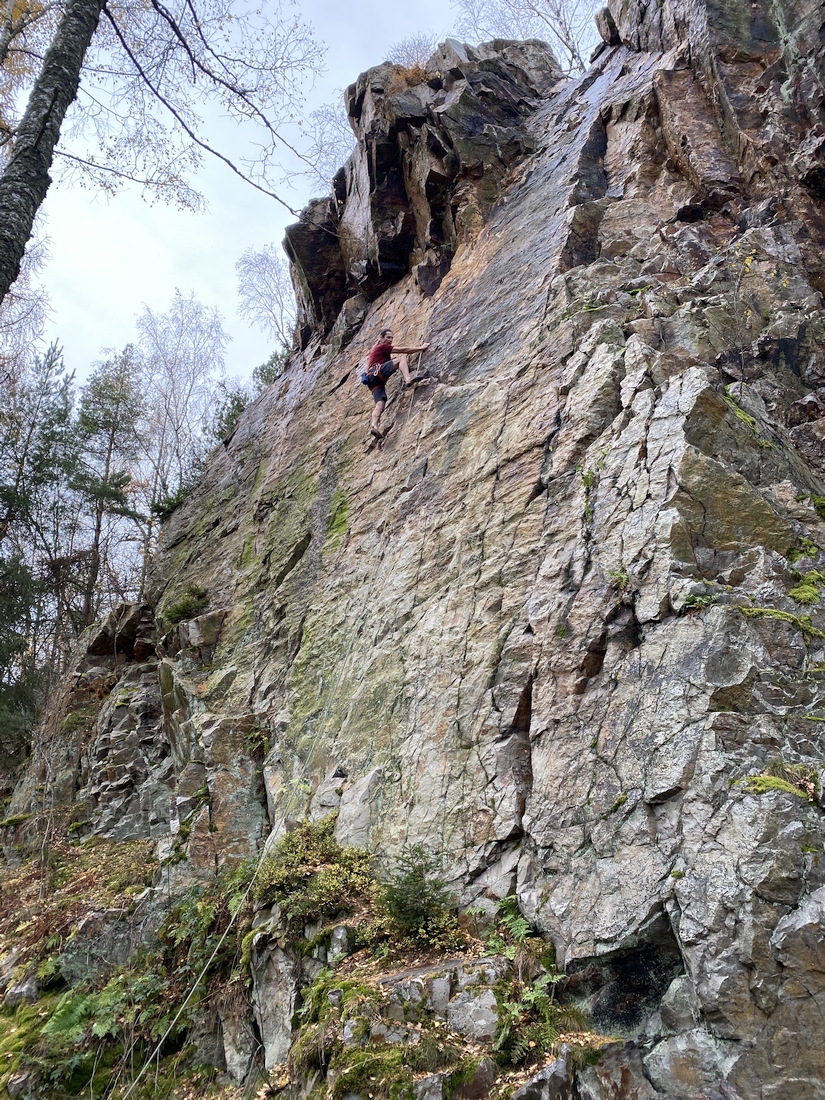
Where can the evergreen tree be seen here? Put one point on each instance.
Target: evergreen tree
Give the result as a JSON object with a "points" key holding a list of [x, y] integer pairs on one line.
{"points": [[20, 679], [37, 459], [111, 407]]}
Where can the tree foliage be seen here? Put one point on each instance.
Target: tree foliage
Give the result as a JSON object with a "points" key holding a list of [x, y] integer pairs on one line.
{"points": [[85, 475], [414, 894], [413, 50], [330, 140]]}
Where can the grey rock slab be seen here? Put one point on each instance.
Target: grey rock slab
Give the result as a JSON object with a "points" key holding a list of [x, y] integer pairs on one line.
{"points": [[387, 1033], [8, 965], [439, 990], [691, 1060], [275, 982], [26, 991], [619, 1073], [429, 1088], [799, 942], [678, 1009], [554, 1082], [338, 944], [474, 1014], [480, 1084], [102, 941], [357, 809], [21, 1084], [240, 1046]]}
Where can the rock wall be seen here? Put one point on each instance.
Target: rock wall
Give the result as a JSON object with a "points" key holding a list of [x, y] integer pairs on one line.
{"points": [[565, 624]]}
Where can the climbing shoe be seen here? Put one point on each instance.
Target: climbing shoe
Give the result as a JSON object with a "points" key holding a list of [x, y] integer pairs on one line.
{"points": [[374, 432]]}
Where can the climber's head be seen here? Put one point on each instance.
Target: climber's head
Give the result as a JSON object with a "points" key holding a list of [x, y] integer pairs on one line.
{"points": [[385, 335]]}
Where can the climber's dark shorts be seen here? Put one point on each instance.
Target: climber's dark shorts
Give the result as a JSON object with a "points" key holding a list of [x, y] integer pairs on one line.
{"points": [[385, 372]]}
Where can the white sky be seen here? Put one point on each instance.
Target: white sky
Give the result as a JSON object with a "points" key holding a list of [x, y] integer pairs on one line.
{"points": [[110, 256]]}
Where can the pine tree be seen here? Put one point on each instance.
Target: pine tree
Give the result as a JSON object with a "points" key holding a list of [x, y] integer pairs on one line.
{"points": [[111, 406]]}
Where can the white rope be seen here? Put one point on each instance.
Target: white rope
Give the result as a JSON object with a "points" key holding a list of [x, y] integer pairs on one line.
{"points": [[156, 1052]]}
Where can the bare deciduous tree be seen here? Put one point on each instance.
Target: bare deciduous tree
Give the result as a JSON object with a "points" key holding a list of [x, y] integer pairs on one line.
{"points": [[23, 314], [182, 352], [413, 50], [329, 139], [266, 293], [566, 24]]}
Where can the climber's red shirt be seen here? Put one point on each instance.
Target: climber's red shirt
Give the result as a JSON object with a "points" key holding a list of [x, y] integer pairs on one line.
{"points": [[380, 354]]}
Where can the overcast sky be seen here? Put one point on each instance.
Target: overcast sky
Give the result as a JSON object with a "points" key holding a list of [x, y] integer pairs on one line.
{"points": [[109, 256]]}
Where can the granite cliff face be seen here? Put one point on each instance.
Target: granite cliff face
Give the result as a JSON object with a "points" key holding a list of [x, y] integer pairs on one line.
{"points": [[565, 625]]}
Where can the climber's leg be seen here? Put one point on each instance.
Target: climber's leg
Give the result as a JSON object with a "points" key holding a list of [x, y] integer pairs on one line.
{"points": [[379, 396], [402, 365]]}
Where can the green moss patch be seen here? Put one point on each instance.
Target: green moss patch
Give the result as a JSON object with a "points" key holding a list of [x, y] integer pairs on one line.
{"points": [[797, 779], [802, 622], [338, 517], [737, 411], [15, 819], [78, 719], [807, 589], [805, 549]]}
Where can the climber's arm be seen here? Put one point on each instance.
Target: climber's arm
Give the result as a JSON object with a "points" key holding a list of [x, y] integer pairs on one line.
{"points": [[408, 351]]}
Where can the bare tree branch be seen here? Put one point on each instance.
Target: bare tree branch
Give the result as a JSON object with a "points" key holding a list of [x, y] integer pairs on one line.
{"points": [[188, 130]]}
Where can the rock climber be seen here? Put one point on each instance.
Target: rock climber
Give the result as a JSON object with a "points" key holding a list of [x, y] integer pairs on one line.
{"points": [[381, 367]]}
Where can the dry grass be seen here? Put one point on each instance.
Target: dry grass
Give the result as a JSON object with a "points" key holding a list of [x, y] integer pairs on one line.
{"points": [[44, 899], [403, 77]]}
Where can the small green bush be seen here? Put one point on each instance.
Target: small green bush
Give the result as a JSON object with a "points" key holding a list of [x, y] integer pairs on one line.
{"points": [[165, 506], [190, 604], [697, 603], [312, 877]]}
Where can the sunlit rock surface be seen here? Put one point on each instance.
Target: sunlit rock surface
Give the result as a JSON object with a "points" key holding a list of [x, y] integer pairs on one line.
{"points": [[553, 624]]}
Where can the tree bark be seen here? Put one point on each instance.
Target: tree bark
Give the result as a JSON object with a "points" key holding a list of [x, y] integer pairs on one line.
{"points": [[26, 179]]}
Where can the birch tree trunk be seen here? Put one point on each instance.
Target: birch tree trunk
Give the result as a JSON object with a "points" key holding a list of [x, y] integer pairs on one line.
{"points": [[26, 179]]}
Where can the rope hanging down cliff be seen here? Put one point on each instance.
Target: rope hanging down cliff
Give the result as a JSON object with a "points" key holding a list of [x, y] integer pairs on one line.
{"points": [[275, 832]]}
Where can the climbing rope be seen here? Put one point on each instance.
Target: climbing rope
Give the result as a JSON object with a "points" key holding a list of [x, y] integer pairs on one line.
{"points": [[262, 855], [239, 909]]}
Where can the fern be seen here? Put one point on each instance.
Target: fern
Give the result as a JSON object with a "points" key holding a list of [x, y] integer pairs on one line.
{"points": [[108, 1008], [510, 916], [531, 1027], [520, 1048], [69, 1020], [509, 1015]]}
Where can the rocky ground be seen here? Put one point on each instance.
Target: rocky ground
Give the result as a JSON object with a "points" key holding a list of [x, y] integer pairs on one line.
{"points": [[564, 627]]}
